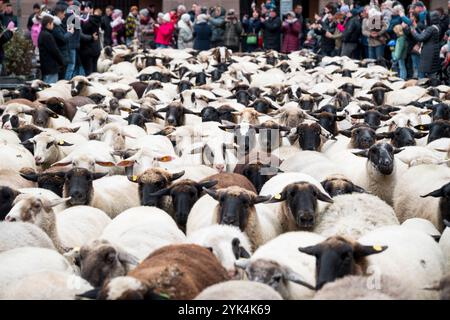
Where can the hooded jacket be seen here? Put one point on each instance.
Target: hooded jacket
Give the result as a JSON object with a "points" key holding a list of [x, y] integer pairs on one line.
{"points": [[217, 25]]}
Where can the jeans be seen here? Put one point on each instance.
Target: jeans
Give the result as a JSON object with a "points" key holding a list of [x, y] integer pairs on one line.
{"points": [[402, 68], [376, 52], [70, 70], [163, 46], [50, 78], [415, 58]]}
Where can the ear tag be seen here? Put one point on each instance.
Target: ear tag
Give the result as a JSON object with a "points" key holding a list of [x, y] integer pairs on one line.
{"points": [[61, 142], [134, 178], [277, 196], [377, 248]]}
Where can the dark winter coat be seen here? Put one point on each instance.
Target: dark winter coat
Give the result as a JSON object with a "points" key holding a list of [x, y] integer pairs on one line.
{"points": [[74, 39], [291, 33], [107, 29], [50, 57], [202, 36], [7, 18], [4, 38], [429, 58], [272, 33], [232, 35], [89, 46], [327, 44], [217, 25], [352, 31], [62, 40]]}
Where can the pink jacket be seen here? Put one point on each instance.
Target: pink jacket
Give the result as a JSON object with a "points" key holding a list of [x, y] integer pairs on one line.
{"points": [[35, 30], [164, 34]]}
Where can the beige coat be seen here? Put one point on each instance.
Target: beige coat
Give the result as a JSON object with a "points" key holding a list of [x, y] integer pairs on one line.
{"points": [[374, 41]]}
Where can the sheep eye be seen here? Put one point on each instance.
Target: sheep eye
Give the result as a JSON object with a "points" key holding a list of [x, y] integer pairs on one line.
{"points": [[49, 145]]}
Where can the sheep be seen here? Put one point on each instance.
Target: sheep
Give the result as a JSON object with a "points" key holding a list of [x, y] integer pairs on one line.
{"points": [[337, 184], [175, 114], [239, 290], [444, 243], [12, 179], [69, 228], [379, 174], [67, 108], [81, 86], [413, 257], [19, 234], [225, 180], [153, 227], [17, 263], [7, 196], [279, 265], [112, 194], [9, 137], [15, 157], [227, 243], [170, 272], [354, 215], [46, 285], [422, 192], [235, 206], [365, 288], [51, 179]]}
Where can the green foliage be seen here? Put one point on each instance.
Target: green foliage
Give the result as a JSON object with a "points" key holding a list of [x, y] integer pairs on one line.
{"points": [[18, 54]]}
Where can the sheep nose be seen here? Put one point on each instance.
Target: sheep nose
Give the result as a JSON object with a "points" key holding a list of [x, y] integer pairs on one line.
{"points": [[170, 121], [74, 92], [76, 195], [10, 219], [232, 273], [38, 159], [220, 167]]}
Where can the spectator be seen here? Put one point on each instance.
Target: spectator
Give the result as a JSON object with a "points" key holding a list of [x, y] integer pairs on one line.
{"points": [[419, 8], [326, 30], [299, 15], [398, 16], [217, 24], [62, 36], [352, 33], [181, 9], [36, 29], [64, 3], [185, 32], [414, 47], [400, 51], [117, 27], [387, 11], [146, 27], [271, 26], [429, 56], [106, 26], [337, 36], [131, 25], [36, 12], [202, 33], [364, 47], [374, 28], [194, 12], [233, 31], [164, 35], [8, 15], [90, 43], [5, 35], [443, 22], [310, 42], [50, 56], [290, 28], [252, 28], [270, 4], [344, 7], [74, 67]]}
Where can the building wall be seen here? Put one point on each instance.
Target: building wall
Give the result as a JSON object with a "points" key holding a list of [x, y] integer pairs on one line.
{"points": [[227, 4]]}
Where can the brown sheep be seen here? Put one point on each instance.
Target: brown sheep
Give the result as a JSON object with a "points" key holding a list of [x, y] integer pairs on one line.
{"points": [[226, 180], [51, 179], [169, 272], [337, 184], [67, 108]]}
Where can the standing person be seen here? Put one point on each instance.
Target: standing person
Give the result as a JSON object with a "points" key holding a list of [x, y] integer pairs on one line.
{"points": [[106, 26], [8, 15], [51, 59], [185, 32], [62, 37], [164, 35], [233, 31], [36, 12], [194, 12], [146, 27], [375, 33], [420, 9], [400, 51], [117, 28], [35, 30], [351, 34], [299, 15], [290, 28], [6, 33], [326, 30], [74, 67], [272, 31], [202, 33], [90, 43], [340, 19], [131, 25], [251, 27], [217, 24], [429, 56]]}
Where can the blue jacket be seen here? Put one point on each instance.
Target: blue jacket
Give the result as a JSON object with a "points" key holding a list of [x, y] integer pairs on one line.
{"points": [[202, 36], [62, 40], [251, 25], [395, 20]]}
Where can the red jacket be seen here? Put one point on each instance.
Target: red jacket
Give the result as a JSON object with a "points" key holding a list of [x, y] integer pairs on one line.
{"points": [[290, 40], [164, 34]]}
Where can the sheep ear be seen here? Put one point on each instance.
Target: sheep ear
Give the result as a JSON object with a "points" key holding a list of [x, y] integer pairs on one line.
{"points": [[105, 163], [423, 127], [339, 118], [347, 133], [165, 159], [99, 175], [160, 193], [358, 189], [297, 278], [162, 110], [213, 193], [260, 199], [384, 135], [91, 294], [357, 116], [242, 263], [177, 175], [435, 194], [56, 202], [126, 257], [126, 163], [362, 153], [361, 251], [30, 176], [418, 135], [447, 223], [206, 184], [322, 196], [398, 150], [311, 250], [63, 143]]}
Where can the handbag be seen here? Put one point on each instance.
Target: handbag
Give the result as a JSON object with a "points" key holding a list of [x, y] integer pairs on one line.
{"points": [[252, 39]]}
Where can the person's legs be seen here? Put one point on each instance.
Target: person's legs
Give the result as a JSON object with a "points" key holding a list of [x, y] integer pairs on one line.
{"points": [[71, 66], [415, 58], [379, 52], [50, 78], [402, 68], [348, 49], [372, 53]]}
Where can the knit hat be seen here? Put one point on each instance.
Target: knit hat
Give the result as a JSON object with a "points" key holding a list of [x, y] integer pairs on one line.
{"points": [[166, 17], [419, 4], [201, 18], [144, 12], [186, 17]]}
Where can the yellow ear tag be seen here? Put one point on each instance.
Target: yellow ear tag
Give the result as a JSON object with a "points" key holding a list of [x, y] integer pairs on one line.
{"points": [[76, 248], [61, 142], [277, 196], [165, 159], [134, 178], [377, 248]]}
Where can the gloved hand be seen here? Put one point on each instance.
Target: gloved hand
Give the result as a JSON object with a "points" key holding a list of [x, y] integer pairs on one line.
{"points": [[391, 43], [11, 26]]}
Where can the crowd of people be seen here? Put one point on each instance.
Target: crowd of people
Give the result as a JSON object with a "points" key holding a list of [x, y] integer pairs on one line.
{"points": [[414, 39]]}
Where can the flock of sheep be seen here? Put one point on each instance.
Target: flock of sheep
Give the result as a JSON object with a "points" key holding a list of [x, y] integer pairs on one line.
{"points": [[174, 174]]}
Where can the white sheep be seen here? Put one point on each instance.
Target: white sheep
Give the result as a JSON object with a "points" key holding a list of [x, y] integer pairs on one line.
{"points": [[19, 234], [239, 290], [444, 243], [354, 215]]}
